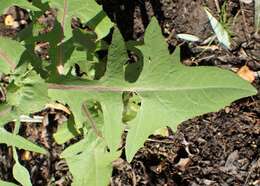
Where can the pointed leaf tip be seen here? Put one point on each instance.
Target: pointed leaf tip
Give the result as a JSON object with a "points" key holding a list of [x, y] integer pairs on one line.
{"points": [[117, 57]]}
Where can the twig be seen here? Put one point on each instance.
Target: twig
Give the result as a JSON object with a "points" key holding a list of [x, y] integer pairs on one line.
{"points": [[217, 5], [34, 119], [244, 19], [160, 141]]}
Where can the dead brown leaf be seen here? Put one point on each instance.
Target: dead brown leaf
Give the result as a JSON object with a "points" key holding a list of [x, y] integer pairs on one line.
{"points": [[58, 106], [245, 73]]}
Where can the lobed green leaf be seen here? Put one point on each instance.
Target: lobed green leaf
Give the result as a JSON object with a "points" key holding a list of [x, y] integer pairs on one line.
{"points": [[170, 92], [85, 10], [19, 142]]}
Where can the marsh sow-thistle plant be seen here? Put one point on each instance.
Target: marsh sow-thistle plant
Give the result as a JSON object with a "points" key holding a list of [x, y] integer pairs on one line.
{"points": [[168, 92]]}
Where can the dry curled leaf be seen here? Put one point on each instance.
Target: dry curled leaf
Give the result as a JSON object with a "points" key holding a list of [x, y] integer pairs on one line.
{"points": [[26, 155], [245, 73], [58, 106]]}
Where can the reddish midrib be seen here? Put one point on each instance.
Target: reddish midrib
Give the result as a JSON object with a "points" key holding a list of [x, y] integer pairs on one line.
{"points": [[104, 88], [95, 88]]}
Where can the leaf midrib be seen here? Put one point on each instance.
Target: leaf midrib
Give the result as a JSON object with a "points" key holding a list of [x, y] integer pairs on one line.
{"points": [[105, 88]]}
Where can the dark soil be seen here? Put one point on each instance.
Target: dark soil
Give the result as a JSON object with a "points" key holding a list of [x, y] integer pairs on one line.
{"points": [[216, 149]]}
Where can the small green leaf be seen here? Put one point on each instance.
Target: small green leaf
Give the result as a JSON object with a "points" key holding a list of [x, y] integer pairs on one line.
{"points": [[20, 173], [101, 24], [65, 132], [188, 37], [7, 114], [4, 183], [93, 167], [10, 54], [27, 93], [220, 31], [86, 10], [74, 149], [80, 146], [132, 104], [23, 4], [19, 142]]}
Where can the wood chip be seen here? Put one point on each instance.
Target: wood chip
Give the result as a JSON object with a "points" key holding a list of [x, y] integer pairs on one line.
{"points": [[26, 156], [245, 73], [9, 20], [183, 164]]}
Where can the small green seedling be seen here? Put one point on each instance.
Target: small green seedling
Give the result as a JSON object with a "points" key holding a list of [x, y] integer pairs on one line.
{"points": [[220, 27]]}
